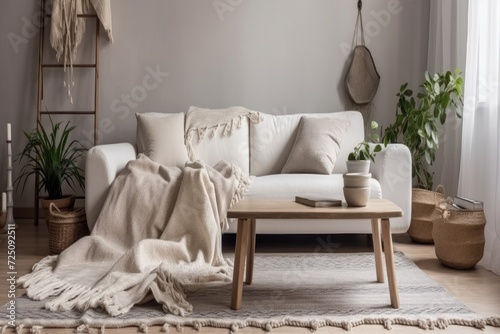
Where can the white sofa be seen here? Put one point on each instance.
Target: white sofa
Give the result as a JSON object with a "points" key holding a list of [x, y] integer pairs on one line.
{"points": [[261, 149]]}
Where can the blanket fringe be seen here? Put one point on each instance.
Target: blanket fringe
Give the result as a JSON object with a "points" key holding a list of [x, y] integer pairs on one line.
{"points": [[229, 128], [243, 184], [41, 283], [166, 282]]}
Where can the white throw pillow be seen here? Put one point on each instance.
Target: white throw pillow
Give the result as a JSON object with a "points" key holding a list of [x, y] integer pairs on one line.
{"points": [[316, 146], [161, 138], [271, 142]]}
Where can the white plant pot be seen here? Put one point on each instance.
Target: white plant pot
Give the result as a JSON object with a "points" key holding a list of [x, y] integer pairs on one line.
{"points": [[358, 166], [356, 196], [357, 180]]}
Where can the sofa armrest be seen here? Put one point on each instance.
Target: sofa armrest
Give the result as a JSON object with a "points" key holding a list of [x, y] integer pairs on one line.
{"points": [[392, 168], [103, 163]]}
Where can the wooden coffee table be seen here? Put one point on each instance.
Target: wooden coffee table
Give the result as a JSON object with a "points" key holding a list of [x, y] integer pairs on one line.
{"points": [[248, 210]]}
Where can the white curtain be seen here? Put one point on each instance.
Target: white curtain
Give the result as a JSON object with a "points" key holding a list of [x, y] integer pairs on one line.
{"points": [[447, 50], [480, 160]]}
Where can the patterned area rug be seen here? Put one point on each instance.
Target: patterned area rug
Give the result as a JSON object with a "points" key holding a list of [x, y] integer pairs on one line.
{"points": [[306, 290]]}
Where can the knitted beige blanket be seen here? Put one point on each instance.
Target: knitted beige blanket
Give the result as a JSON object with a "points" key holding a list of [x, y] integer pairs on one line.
{"points": [[159, 233]]}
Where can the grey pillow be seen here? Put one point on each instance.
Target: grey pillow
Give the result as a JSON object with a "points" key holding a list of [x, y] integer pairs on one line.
{"points": [[316, 146], [161, 138]]}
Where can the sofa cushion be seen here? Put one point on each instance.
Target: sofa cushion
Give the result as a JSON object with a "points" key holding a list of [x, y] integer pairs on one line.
{"points": [[287, 186], [161, 138], [316, 146], [218, 143], [271, 141]]}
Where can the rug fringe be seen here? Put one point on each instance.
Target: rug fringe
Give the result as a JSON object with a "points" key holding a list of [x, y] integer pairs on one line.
{"points": [[83, 329], [312, 325], [36, 329], [268, 326], [387, 323], [493, 321], [19, 329]]}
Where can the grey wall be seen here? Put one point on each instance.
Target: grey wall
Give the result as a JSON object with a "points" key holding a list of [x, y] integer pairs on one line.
{"points": [[275, 56]]}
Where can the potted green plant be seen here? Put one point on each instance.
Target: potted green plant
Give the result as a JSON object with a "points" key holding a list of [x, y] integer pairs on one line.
{"points": [[53, 157], [416, 122], [416, 127], [358, 161]]}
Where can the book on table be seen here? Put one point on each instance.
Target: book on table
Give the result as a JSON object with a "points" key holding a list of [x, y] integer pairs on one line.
{"points": [[467, 203], [318, 201]]}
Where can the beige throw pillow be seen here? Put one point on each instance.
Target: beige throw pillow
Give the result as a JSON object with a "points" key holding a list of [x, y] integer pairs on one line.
{"points": [[316, 146], [161, 138]]}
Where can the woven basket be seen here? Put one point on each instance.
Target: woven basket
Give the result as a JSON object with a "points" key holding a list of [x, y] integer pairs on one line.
{"points": [[65, 228], [459, 237], [362, 78], [422, 208], [63, 204]]}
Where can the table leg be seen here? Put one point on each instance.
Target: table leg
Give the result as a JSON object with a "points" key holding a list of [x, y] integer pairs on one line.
{"points": [[251, 252], [377, 250], [239, 262], [389, 262]]}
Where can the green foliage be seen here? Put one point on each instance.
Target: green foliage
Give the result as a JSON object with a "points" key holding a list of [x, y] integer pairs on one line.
{"points": [[365, 151], [53, 158], [416, 121]]}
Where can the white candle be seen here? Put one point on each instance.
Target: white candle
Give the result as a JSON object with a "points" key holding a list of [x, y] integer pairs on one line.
{"points": [[4, 202], [8, 132]]}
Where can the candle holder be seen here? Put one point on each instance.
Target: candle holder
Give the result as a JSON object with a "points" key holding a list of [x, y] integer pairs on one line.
{"points": [[10, 222]]}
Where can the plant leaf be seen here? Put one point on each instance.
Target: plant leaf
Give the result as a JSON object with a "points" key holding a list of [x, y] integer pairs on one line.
{"points": [[427, 157], [428, 129], [427, 76]]}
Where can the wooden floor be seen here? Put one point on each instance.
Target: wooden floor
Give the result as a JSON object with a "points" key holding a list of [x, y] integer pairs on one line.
{"points": [[479, 289]]}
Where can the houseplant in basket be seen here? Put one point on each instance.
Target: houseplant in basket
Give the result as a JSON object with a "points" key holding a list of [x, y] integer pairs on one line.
{"points": [[416, 126], [358, 161], [53, 157]]}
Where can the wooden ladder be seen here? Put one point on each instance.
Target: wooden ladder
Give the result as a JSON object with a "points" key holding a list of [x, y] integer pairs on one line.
{"points": [[42, 66]]}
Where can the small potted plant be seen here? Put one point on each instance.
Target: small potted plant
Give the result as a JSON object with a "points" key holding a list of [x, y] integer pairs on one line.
{"points": [[358, 161], [53, 157], [416, 127]]}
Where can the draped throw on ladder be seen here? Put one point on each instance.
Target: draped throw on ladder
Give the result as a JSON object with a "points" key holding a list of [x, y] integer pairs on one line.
{"points": [[67, 29]]}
